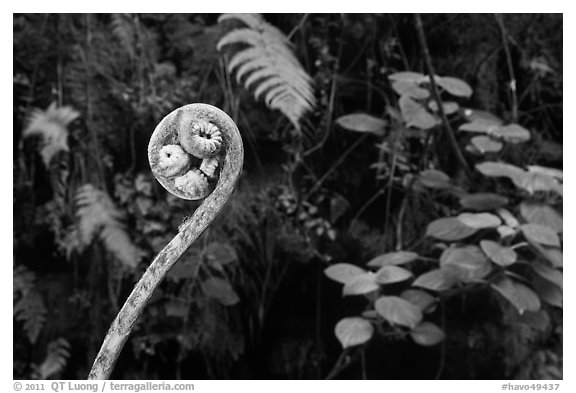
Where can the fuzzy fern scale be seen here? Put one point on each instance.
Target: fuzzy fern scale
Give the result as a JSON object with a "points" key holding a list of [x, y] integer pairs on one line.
{"points": [[269, 64]]}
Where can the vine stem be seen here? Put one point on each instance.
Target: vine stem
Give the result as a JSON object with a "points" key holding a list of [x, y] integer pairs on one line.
{"points": [[436, 96], [188, 232], [514, 93]]}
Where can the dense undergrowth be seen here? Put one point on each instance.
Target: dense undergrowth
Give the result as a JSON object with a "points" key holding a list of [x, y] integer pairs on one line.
{"points": [[387, 225]]}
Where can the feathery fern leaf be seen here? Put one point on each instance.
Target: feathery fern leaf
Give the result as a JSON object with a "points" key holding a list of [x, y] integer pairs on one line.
{"points": [[270, 63], [29, 306], [51, 125], [123, 28], [57, 354], [99, 217]]}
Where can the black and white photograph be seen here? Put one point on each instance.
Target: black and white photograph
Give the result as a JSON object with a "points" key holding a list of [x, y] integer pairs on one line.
{"points": [[287, 196]]}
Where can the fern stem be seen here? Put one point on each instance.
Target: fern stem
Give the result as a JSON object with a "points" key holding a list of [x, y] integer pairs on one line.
{"points": [[188, 232]]}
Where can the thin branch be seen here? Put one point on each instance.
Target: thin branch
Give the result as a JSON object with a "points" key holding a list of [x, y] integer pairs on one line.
{"points": [[514, 96], [335, 165], [436, 96]]}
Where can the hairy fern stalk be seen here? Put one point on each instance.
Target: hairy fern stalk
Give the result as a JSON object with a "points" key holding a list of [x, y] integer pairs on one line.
{"points": [[270, 66]]}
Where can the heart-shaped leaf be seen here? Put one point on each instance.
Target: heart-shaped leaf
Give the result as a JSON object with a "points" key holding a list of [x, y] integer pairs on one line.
{"points": [[422, 299], [483, 201], [482, 128], [548, 292], [220, 290], [437, 279], [513, 133], [469, 260], [547, 272], [499, 169], [553, 255], [398, 311], [522, 297], [480, 220], [449, 107], [410, 89], [360, 285], [551, 172], [540, 234], [433, 178], [362, 122], [393, 258], [482, 117], [391, 274], [427, 334], [408, 76], [542, 214], [500, 255], [343, 272], [415, 115], [456, 87], [449, 229], [353, 331], [485, 144]]}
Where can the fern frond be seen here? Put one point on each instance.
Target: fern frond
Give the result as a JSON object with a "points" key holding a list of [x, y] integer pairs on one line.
{"points": [[269, 62], [29, 306], [123, 28], [57, 354], [51, 125], [99, 217]]}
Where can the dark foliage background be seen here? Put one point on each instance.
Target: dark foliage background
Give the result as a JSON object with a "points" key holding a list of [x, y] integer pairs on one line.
{"points": [[250, 299]]}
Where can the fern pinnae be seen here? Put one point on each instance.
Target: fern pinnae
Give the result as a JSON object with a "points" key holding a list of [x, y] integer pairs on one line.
{"points": [[97, 216], [270, 64]]}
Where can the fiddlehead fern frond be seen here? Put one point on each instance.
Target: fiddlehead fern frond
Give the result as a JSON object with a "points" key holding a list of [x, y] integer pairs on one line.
{"points": [[270, 63], [195, 129]]}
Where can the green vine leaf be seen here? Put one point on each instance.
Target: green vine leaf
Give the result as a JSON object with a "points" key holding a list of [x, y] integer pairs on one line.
{"points": [[449, 107], [427, 334], [522, 297], [393, 258], [470, 261], [540, 234], [343, 272], [398, 311], [449, 229], [433, 178], [353, 331], [548, 292], [362, 122], [547, 272], [480, 220], [542, 214], [500, 255], [437, 279], [456, 87], [486, 144], [422, 299], [360, 285], [483, 201], [221, 290], [415, 115], [392, 274]]}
